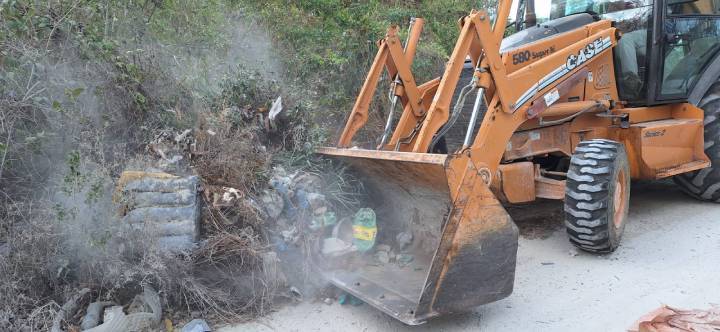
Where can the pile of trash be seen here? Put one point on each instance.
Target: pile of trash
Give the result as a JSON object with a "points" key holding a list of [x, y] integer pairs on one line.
{"points": [[298, 208], [162, 204], [308, 226], [143, 313]]}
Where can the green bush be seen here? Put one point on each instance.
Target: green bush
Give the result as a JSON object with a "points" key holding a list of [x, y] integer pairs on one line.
{"points": [[328, 45]]}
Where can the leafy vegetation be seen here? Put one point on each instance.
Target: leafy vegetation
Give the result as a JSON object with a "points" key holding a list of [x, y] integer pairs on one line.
{"points": [[328, 45]]}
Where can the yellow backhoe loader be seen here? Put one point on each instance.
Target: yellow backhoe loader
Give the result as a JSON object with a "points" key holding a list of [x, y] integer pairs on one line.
{"points": [[581, 98]]}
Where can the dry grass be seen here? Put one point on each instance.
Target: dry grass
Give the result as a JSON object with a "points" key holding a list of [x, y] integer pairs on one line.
{"points": [[26, 279], [66, 132], [58, 232], [229, 155]]}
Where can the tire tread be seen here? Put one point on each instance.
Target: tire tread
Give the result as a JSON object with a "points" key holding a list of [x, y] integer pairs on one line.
{"points": [[587, 195]]}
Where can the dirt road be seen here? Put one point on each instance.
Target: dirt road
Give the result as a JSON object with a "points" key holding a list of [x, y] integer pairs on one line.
{"points": [[670, 255]]}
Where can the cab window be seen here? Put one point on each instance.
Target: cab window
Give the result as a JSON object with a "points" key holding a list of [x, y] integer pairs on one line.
{"points": [[632, 18], [690, 7]]}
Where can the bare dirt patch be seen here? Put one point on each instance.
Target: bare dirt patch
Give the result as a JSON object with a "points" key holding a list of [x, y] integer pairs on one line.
{"points": [[538, 220]]}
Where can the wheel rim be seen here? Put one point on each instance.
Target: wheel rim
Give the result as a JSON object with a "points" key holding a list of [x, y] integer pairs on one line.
{"points": [[619, 200]]}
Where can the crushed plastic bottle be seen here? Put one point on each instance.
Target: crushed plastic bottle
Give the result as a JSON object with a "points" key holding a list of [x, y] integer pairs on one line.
{"points": [[364, 229], [324, 220]]}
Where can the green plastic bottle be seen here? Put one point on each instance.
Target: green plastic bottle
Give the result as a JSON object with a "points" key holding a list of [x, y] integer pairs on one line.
{"points": [[325, 220], [364, 229]]}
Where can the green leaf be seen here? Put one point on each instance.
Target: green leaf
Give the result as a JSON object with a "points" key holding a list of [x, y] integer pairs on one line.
{"points": [[76, 92], [73, 93]]}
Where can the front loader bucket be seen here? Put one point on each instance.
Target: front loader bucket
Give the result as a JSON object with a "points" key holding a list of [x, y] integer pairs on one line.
{"points": [[452, 246]]}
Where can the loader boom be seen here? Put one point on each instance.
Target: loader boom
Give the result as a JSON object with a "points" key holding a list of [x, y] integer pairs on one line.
{"points": [[397, 61], [508, 106]]}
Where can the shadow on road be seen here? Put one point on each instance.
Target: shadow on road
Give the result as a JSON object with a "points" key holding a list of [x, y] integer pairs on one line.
{"points": [[540, 219]]}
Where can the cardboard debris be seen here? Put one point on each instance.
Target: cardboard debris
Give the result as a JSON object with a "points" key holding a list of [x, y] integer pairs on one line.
{"points": [[230, 194], [274, 112], [333, 246], [668, 319], [273, 203]]}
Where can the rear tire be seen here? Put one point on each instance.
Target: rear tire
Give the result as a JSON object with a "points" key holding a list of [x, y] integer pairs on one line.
{"points": [[705, 183], [597, 193]]}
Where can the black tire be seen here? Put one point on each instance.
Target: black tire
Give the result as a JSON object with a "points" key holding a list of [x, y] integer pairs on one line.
{"points": [[597, 193], [705, 183]]}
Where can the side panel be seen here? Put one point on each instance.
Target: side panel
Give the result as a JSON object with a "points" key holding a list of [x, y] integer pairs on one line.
{"points": [[666, 147], [660, 148], [661, 141]]}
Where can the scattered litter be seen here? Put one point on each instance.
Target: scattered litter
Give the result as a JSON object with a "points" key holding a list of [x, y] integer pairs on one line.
{"points": [[391, 255], [281, 184], [346, 298], [179, 138], [111, 312], [301, 198], [547, 263], [230, 194], [275, 110], [382, 254], [320, 210], [138, 305], [668, 319], [68, 309], [382, 257], [115, 320], [280, 180], [166, 204], [290, 235], [273, 203], [403, 239], [295, 293], [364, 229], [404, 259], [196, 325], [92, 314], [307, 181], [328, 301], [333, 246], [271, 267], [279, 244], [172, 148], [167, 162], [383, 247], [324, 220], [316, 200]]}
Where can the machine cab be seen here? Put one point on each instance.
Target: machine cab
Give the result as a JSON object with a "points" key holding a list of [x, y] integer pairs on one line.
{"points": [[666, 49]]}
